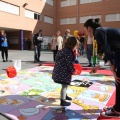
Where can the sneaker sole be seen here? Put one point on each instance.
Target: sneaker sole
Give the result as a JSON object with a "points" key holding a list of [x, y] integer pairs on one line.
{"points": [[66, 105], [106, 108], [109, 116], [69, 100]]}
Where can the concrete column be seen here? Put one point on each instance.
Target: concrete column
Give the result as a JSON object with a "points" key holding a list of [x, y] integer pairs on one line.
{"points": [[21, 40]]}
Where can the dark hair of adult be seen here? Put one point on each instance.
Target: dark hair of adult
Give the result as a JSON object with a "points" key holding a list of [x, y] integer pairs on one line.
{"points": [[93, 23], [71, 42]]}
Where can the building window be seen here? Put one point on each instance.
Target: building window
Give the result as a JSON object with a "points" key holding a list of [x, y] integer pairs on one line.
{"points": [[35, 16], [6, 7], [48, 19], [39, 17], [84, 18], [50, 2], [112, 17], [66, 3], [66, 21], [32, 15], [88, 1]]}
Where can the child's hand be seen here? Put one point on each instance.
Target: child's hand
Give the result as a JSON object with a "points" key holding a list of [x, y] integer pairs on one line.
{"points": [[94, 69]]}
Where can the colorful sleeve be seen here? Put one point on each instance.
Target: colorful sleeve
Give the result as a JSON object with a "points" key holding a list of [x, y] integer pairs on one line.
{"points": [[2, 38]]}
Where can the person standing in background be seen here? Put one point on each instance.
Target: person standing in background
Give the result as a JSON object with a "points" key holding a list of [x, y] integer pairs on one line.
{"points": [[56, 44], [37, 40], [76, 52], [88, 45], [4, 45], [66, 36], [82, 38]]}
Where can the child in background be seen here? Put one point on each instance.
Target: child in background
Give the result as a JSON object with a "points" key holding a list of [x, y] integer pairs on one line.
{"points": [[82, 38], [76, 54], [77, 51], [64, 68]]}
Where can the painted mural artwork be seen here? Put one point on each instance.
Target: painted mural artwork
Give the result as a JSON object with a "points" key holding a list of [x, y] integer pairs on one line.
{"points": [[32, 95]]}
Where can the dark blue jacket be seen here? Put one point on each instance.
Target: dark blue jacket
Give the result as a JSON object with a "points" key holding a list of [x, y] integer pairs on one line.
{"points": [[109, 40], [37, 42], [2, 42], [63, 69]]}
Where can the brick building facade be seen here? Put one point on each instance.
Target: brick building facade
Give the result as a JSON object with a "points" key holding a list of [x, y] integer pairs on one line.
{"points": [[29, 16]]}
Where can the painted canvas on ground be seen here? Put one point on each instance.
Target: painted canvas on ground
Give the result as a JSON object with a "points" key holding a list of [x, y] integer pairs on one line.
{"points": [[32, 95]]}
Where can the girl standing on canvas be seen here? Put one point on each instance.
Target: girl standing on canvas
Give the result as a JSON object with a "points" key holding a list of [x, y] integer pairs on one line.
{"points": [[64, 68], [109, 40]]}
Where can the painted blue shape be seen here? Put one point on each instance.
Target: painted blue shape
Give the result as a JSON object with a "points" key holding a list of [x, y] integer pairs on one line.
{"points": [[63, 114]]}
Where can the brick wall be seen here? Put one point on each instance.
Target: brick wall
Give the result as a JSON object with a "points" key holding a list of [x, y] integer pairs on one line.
{"points": [[20, 22], [97, 8]]}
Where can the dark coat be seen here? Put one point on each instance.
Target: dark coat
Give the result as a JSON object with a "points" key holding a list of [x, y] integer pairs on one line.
{"points": [[109, 40], [63, 69]]}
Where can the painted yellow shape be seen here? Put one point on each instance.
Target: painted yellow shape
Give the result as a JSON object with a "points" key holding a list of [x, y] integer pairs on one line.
{"points": [[109, 89], [108, 78], [15, 102], [3, 100], [76, 91], [7, 82], [86, 108], [54, 95], [78, 102], [72, 91], [106, 88], [3, 82]]}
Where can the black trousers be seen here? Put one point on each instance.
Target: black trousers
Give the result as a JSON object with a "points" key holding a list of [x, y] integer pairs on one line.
{"points": [[117, 66], [117, 102], [4, 50], [55, 53]]}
